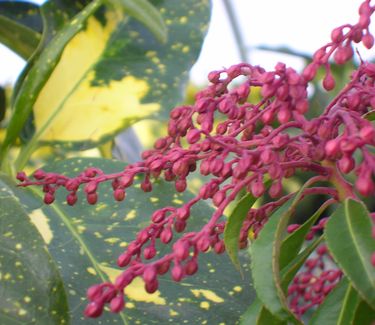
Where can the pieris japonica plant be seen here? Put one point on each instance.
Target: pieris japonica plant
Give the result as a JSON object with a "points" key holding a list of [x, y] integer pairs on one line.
{"points": [[320, 270]]}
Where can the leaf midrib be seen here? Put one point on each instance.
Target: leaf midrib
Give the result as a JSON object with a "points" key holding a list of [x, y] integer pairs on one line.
{"points": [[82, 244]]}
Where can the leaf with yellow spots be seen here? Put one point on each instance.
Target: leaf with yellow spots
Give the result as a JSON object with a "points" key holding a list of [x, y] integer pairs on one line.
{"points": [[31, 287], [110, 73], [89, 257]]}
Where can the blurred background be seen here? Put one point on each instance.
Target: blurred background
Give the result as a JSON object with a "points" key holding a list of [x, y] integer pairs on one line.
{"points": [[241, 29]]}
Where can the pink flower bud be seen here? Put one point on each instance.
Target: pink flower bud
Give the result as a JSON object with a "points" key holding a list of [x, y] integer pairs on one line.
{"points": [[203, 244], [193, 136], [346, 164], [219, 247], [39, 174], [292, 228], [181, 249], [180, 225], [191, 267], [124, 259], [91, 187], [373, 259], [123, 280], [92, 198], [149, 274], [275, 189], [183, 213], [180, 168], [117, 304], [328, 82], [158, 216], [368, 41], [257, 188], [163, 268], [152, 286], [93, 309], [180, 185], [367, 133], [284, 115], [268, 90], [310, 71], [49, 198], [343, 54], [364, 184], [332, 148], [166, 235], [337, 35], [214, 76], [218, 198], [94, 292], [149, 252], [177, 273], [160, 143], [146, 186], [71, 198], [267, 156], [119, 194]]}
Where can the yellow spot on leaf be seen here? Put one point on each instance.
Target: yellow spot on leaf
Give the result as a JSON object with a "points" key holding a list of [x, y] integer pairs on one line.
{"points": [[91, 270], [40, 221], [177, 201], [112, 240], [136, 290], [173, 312], [80, 110], [129, 305], [27, 299], [18, 246], [237, 289], [208, 294], [22, 312], [154, 199], [204, 305], [131, 215], [81, 229], [185, 49], [183, 20]]}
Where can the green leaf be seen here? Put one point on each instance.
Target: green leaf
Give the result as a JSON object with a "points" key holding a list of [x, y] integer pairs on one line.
{"points": [[339, 307], [147, 14], [370, 116], [32, 291], [364, 315], [289, 271], [38, 76], [86, 241], [266, 318], [265, 254], [234, 225], [251, 314], [20, 27], [118, 74], [293, 242], [349, 239]]}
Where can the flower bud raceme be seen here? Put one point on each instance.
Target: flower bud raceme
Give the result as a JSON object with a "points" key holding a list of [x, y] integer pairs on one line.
{"points": [[241, 142]]}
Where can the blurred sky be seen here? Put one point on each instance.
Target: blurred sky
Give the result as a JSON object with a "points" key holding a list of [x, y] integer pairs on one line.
{"points": [[302, 25]]}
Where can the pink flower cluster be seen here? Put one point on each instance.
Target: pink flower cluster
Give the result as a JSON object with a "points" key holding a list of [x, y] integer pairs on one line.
{"points": [[314, 282], [240, 144]]}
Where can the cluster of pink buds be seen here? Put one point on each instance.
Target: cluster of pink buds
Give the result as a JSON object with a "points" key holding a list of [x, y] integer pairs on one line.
{"points": [[314, 283], [251, 144]]}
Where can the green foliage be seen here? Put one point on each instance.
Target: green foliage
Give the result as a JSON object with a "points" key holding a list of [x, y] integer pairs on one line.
{"points": [[350, 241], [31, 287]]}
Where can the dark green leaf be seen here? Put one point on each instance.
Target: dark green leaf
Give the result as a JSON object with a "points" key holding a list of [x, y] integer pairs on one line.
{"points": [[19, 38], [38, 76], [234, 225], [292, 243], [266, 318], [31, 288], [86, 241], [364, 315], [265, 254], [251, 314], [338, 307], [349, 239], [147, 14], [289, 271]]}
